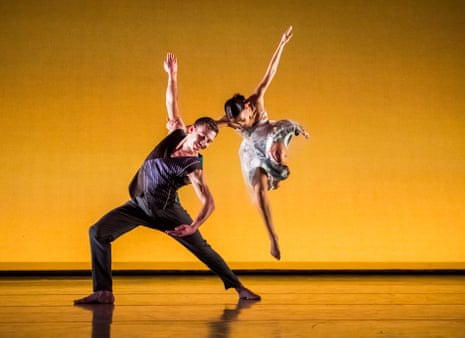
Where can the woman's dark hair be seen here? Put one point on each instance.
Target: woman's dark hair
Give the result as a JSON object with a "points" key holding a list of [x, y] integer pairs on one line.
{"points": [[234, 106], [208, 122]]}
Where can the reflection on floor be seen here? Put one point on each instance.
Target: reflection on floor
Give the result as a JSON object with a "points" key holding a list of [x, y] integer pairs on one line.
{"points": [[197, 306]]}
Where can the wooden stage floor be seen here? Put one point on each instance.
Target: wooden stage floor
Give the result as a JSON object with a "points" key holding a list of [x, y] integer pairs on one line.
{"points": [[197, 306]]}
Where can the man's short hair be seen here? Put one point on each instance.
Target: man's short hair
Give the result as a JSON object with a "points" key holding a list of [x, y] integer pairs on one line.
{"points": [[207, 122]]}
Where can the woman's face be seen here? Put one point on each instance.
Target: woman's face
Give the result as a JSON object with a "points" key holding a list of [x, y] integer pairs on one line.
{"points": [[244, 119]]}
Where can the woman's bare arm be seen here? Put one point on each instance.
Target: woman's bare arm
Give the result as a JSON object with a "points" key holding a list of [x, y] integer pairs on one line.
{"points": [[259, 93]]}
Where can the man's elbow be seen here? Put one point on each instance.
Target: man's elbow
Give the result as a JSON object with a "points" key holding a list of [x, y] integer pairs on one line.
{"points": [[211, 205]]}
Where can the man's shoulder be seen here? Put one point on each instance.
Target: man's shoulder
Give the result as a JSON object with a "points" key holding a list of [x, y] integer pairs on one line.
{"points": [[176, 133]]}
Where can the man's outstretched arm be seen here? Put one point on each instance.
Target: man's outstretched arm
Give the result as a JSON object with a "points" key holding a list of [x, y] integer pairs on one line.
{"points": [[174, 117]]}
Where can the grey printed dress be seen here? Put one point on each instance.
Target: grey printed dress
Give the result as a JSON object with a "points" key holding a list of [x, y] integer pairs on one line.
{"points": [[254, 151]]}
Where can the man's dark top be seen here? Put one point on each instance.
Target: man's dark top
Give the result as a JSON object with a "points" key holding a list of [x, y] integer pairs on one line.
{"points": [[161, 175]]}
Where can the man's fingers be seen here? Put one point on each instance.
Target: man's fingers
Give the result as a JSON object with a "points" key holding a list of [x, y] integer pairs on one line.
{"points": [[176, 232]]}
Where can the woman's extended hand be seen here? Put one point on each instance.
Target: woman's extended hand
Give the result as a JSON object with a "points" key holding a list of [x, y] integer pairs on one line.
{"points": [[286, 36]]}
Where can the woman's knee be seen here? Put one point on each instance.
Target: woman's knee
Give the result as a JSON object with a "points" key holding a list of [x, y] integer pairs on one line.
{"points": [[278, 152]]}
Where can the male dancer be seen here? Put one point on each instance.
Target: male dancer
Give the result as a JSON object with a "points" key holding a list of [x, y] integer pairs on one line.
{"points": [[154, 203]]}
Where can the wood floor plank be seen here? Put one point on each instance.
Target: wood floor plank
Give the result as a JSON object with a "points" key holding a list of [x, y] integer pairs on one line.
{"points": [[153, 299]]}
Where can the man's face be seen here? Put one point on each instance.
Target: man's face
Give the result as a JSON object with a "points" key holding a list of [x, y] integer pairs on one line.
{"points": [[201, 137]]}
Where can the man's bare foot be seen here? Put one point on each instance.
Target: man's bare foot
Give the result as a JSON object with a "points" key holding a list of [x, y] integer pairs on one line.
{"points": [[246, 294], [98, 297]]}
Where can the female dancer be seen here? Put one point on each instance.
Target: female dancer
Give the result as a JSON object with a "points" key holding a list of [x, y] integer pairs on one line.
{"points": [[263, 151]]}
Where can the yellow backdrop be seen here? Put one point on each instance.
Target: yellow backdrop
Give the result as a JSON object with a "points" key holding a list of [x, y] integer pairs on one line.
{"points": [[378, 84]]}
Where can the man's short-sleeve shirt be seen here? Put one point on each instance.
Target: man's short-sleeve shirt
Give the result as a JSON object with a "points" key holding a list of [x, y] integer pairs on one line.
{"points": [[161, 175]]}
